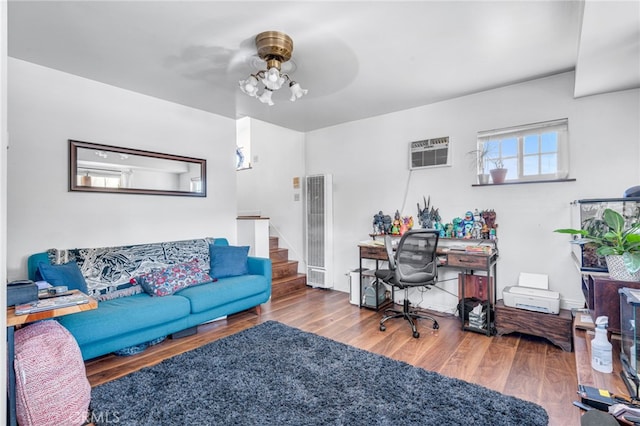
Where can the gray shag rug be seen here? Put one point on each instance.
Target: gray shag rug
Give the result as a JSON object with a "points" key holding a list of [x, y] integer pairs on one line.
{"points": [[273, 374]]}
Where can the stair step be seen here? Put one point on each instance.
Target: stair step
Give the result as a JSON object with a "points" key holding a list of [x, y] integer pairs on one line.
{"points": [[283, 286], [278, 255], [273, 243], [284, 269]]}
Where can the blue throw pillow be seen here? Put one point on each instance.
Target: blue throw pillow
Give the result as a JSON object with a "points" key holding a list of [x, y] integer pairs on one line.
{"points": [[67, 274], [228, 261]]}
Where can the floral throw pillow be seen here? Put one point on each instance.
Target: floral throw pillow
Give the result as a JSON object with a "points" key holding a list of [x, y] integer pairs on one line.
{"points": [[166, 281]]}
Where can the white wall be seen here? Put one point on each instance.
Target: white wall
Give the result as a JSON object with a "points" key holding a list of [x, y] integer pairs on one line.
{"points": [[4, 137], [369, 163], [47, 107], [277, 156]]}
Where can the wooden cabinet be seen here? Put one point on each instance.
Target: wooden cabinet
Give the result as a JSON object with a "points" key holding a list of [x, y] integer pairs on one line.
{"points": [[476, 286], [601, 295], [555, 328]]}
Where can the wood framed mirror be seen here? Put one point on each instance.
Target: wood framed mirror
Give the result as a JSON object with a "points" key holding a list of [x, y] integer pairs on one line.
{"points": [[104, 168]]}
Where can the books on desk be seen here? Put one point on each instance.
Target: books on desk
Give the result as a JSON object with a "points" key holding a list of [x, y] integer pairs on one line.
{"points": [[373, 243], [478, 249], [52, 303]]}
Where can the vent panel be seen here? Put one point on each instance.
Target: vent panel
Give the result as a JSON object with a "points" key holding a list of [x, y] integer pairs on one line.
{"points": [[429, 153], [319, 230]]}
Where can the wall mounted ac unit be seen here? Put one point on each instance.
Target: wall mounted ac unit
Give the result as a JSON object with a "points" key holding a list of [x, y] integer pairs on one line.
{"points": [[319, 230], [429, 153]]}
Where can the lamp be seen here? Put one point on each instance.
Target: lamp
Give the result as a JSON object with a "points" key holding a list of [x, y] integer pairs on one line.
{"points": [[275, 48]]}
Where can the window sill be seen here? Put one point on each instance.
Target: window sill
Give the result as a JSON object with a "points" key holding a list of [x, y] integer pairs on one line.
{"points": [[524, 182]]}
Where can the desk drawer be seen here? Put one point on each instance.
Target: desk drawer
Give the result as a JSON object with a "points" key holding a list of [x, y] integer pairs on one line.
{"points": [[465, 260], [379, 253]]}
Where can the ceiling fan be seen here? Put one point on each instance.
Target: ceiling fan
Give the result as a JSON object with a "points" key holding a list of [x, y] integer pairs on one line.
{"points": [[275, 49]]}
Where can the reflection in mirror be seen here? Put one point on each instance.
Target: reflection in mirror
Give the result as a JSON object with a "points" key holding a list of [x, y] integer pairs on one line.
{"points": [[103, 168]]}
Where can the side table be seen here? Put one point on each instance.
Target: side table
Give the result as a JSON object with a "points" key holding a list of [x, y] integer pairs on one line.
{"points": [[555, 328], [14, 321]]}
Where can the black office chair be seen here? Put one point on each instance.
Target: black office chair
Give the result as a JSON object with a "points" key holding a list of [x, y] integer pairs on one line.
{"points": [[413, 264]]}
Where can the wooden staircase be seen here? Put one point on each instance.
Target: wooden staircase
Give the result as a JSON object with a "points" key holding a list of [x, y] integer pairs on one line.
{"points": [[285, 278]]}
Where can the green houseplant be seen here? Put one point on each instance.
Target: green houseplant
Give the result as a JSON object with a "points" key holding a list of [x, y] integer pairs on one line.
{"points": [[618, 243]]}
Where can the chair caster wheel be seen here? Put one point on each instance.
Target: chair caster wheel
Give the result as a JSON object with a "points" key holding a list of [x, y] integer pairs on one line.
{"points": [[416, 334], [436, 326], [382, 328]]}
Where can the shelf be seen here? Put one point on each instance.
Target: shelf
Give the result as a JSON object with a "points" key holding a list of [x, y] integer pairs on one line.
{"points": [[525, 182]]}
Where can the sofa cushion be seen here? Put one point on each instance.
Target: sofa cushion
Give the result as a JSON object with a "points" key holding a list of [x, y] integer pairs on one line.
{"points": [[67, 274], [120, 316], [228, 261], [225, 290], [166, 281]]}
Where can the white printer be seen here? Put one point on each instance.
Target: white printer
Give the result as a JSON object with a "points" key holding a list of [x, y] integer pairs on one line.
{"points": [[532, 293]]}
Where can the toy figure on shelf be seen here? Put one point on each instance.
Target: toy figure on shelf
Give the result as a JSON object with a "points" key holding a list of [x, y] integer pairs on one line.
{"points": [[467, 225], [408, 222], [484, 232], [424, 217], [476, 231], [378, 223], [457, 228], [381, 223], [489, 217], [428, 215], [396, 224], [386, 224], [448, 230], [478, 222]]}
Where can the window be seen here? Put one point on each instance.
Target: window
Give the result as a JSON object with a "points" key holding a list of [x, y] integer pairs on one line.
{"points": [[99, 178], [538, 151]]}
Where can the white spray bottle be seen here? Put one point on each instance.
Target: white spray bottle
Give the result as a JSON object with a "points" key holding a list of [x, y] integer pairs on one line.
{"points": [[601, 354]]}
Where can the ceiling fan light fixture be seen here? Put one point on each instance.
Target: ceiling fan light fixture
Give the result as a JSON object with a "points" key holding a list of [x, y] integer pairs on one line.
{"points": [[249, 86], [296, 91], [275, 48], [265, 97]]}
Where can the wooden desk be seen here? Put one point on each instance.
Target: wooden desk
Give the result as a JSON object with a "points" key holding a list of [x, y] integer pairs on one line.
{"points": [[14, 321], [468, 263]]}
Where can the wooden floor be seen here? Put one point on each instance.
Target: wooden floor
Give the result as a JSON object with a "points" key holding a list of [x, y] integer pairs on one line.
{"points": [[526, 367]]}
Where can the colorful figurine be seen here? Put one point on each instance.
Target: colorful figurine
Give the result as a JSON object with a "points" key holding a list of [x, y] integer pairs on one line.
{"points": [[467, 225], [489, 217], [396, 224], [408, 221], [448, 230], [457, 228], [485, 231]]}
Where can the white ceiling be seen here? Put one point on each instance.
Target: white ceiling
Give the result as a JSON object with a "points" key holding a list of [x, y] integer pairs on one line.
{"points": [[358, 59]]}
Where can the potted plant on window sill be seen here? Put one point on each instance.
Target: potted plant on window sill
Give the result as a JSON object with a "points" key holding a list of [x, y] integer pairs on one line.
{"points": [[479, 157], [499, 173], [619, 244]]}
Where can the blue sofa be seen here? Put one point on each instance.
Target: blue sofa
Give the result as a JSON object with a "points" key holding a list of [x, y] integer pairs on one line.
{"points": [[127, 316]]}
